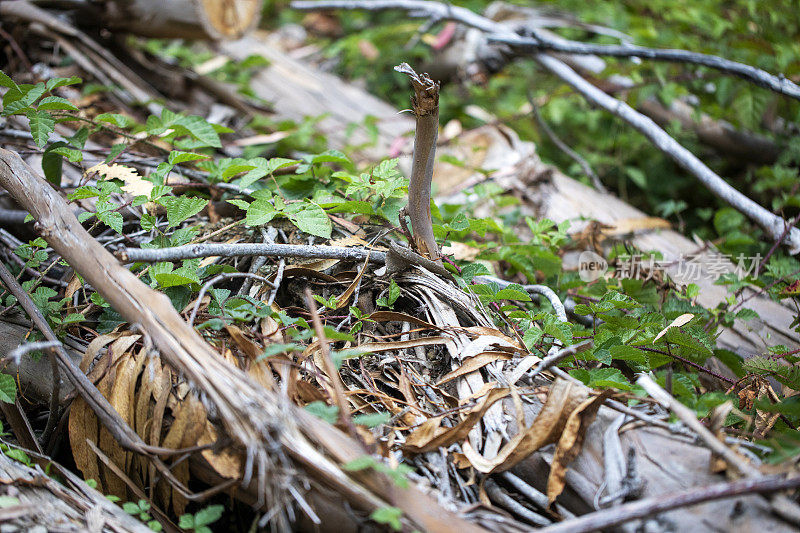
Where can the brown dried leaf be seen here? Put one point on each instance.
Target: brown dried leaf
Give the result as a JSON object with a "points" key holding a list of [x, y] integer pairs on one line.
{"points": [[472, 364], [250, 349], [186, 429], [430, 434], [563, 399], [224, 462], [569, 445]]}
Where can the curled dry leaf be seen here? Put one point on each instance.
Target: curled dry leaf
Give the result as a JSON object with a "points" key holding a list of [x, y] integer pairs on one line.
{"points": [[569, 445], [564, 398], [431, 435]]}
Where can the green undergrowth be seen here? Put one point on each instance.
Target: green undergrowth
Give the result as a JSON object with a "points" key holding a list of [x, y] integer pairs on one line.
{"points": [[636, 326]]}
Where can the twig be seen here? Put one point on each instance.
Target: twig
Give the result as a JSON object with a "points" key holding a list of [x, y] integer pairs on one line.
{"points": [[217, 279], [330, 368], [555, 358], [561, 145], [775, 226], [499, 496], [688, 417], [53, 345], [192, 251], [772, 224], [426, 110], [543, 290], [23, 349], [608, 518], [539, 42]]}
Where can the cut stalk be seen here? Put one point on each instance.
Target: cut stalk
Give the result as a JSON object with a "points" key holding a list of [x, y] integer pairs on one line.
{"points": [[425, 103]]}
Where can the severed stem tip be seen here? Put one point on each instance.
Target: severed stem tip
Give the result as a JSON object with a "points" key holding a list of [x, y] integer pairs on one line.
{"points": [[426, 91]]}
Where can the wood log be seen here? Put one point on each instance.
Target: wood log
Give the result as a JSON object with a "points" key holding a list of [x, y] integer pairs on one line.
{"points": [[187, 19]]}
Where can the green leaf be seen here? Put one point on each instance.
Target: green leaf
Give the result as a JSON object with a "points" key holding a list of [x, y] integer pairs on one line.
{"points": [[52, 164], [360, 463], [260, 212], [5, 81], [8, 501], [179, 208], [118, 120], [42, 125], [371, 420], [8, 388], [388, 515], [111, 218], [201, 130], [329, 413], [176, 156], [73, 155], [55, 83], [310, 218], [209, 515], [56, 102], [602, 378], [263, 167]]}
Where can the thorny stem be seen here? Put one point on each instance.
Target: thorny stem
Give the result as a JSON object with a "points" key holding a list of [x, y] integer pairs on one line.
{"points": [[426, 109]]}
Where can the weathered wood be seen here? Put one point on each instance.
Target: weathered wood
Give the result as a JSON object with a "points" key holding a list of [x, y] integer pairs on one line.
{"points": [[47, 505], [188, 19]]}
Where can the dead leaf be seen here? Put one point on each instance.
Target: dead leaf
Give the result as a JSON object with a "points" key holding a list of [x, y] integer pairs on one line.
{"points": [[678, 322], [569, 445], [563, 399], [135, 185], [430, 435]]}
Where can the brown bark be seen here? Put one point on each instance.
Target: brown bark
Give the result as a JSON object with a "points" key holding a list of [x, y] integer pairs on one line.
{"points": [[187, 19]]}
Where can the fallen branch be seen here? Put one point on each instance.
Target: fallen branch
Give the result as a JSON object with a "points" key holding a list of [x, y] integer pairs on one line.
{"points": [[192, 251], [607, 518], [775, 226], [539, 42]]}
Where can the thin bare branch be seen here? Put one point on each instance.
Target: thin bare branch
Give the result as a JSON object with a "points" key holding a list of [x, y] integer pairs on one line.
{"points": [[539, 42], [191, 251], [607, 518]]}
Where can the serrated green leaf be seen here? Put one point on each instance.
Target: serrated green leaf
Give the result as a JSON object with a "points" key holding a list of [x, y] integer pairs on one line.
{"points": [[388, 515], [310, 218], [328, 413], [263, 167], [56, 102], [52, 166], [176, 157], [179, 208], [208, 515], [118, 120], [601, 378], [371, 420], [8, 388], [42, 125], [113, 219], [200, 129], [260, 212], [6, 81], [55, 83]]}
